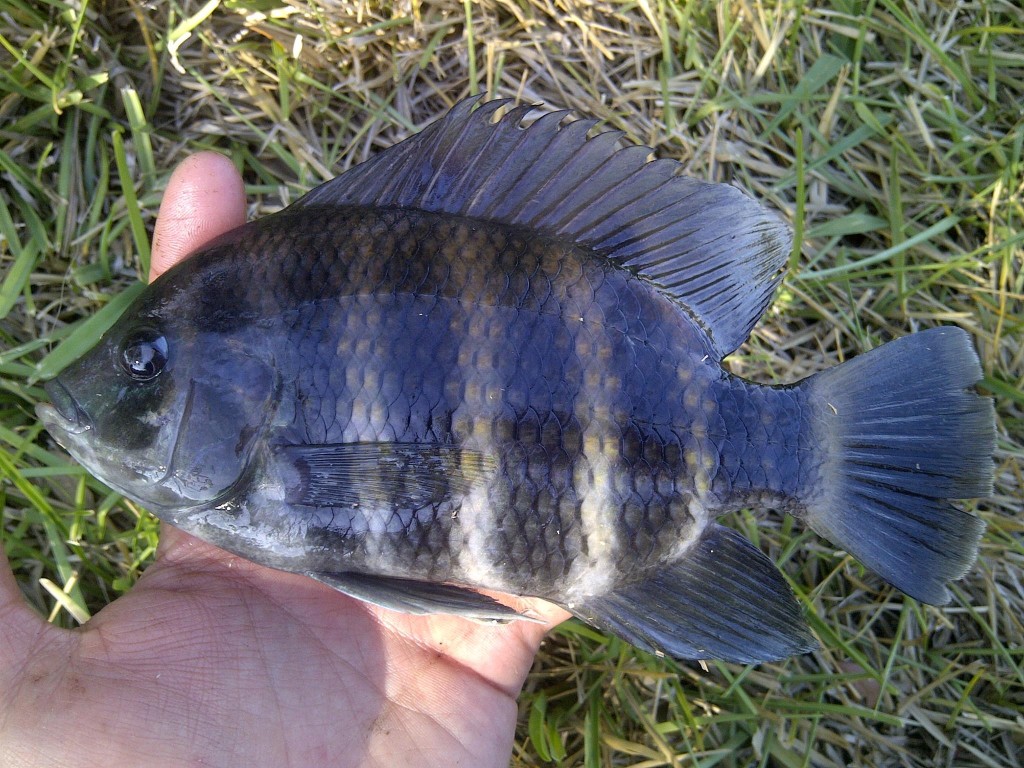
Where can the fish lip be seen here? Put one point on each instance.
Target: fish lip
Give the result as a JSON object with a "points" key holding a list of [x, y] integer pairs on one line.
{"points": [[65, 412]]}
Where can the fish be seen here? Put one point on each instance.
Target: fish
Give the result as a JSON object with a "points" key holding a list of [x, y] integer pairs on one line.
{"points": [[491, 358]]}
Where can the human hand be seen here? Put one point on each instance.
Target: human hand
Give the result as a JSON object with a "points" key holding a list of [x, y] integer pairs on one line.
{"points": [[212, 660]]}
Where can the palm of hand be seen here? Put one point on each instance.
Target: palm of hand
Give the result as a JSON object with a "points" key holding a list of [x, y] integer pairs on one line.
{"points": [[212, 660]]}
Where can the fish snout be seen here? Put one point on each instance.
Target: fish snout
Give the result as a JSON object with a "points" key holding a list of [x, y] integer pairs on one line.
{"points": [[65, 412]]}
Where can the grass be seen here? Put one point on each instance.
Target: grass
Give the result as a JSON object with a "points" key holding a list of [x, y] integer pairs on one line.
{"points": [[890, 133]]}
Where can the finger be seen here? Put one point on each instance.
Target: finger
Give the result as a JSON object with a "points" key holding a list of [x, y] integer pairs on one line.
{"points": [[204, 198], [19, 624]]}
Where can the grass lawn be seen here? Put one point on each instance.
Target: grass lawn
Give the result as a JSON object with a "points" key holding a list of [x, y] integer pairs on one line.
{"points": [[889, 132]]}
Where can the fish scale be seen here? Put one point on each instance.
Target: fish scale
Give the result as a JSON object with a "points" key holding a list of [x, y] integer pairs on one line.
{"points": [[491, 357], [761, 458]]}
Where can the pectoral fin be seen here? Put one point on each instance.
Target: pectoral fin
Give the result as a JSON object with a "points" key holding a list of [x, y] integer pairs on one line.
{"points": [[419, 597], [399, 475], [723, 600]]}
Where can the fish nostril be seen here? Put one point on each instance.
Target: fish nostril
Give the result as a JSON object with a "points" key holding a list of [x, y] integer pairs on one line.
{"points": [[63, 401]]}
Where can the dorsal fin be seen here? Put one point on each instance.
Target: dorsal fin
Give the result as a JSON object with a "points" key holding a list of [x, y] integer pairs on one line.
{"points": [[707, 245]]}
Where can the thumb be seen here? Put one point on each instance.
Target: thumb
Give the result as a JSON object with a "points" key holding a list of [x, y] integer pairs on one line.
{"points": [[204, 198]]}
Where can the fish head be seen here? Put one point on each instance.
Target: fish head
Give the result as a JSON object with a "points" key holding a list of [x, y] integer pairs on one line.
{"points": [[167, 408]]}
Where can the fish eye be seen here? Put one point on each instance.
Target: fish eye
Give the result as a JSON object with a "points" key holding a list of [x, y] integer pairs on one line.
{"points": [[144, 354]]}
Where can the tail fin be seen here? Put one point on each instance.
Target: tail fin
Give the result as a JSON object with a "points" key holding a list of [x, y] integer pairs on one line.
{"points": [[904, 432]]}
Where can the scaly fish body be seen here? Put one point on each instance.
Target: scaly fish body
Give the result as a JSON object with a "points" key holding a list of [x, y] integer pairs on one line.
{"points": [[510, 346], [419, 392]]}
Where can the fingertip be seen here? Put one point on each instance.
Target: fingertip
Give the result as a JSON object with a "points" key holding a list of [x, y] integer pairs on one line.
{"points": [[205, 198]]}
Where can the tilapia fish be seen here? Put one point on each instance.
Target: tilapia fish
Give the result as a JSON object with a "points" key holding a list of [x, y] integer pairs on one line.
{"points": [[490, 357]]}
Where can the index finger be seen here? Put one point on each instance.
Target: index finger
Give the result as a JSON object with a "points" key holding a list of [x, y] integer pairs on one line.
{"points": [[204, 198]]}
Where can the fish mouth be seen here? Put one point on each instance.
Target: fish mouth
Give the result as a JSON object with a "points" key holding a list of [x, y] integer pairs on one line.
{"points": [[65, 414]]}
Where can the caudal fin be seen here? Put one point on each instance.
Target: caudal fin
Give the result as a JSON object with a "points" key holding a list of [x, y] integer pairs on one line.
{"points": [[903, 433]]}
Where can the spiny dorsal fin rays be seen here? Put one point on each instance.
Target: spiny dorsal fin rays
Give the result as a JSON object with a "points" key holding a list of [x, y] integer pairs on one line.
{"points": [[708, 246]]}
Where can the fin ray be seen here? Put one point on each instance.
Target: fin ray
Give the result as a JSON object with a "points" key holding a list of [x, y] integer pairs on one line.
{"points": [[905, 433], [419, 597], [708, 246], [400, 475], [724, 599]]}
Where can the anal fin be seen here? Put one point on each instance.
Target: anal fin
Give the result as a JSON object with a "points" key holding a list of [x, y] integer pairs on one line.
{"points": [[724, 600], [419, 597]]}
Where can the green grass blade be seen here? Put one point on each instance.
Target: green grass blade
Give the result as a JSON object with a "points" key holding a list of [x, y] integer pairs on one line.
{"points": [[85, 335], [138, 228]]}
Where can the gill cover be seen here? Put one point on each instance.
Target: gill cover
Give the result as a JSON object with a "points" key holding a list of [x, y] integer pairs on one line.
{"points": [[173, 436], [223, 411]]}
